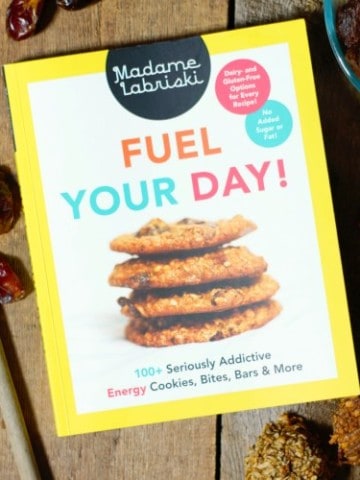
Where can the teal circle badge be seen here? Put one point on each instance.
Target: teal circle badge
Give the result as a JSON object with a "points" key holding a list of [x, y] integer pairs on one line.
{"points": [[270, 125]]}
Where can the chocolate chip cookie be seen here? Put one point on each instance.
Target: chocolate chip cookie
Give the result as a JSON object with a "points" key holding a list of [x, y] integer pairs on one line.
{"points": [[213, 297], [158, 236], [167, 331], [166, 272], [189, 283]]}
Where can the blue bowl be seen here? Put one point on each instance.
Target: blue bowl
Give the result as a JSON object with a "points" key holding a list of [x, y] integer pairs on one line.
{"points": [[330, 8]]}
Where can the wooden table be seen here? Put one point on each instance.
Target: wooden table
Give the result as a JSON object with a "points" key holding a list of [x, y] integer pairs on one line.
{"points": [[206, 448]]}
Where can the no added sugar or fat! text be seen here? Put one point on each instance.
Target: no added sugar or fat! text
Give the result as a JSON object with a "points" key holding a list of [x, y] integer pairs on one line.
{"points": [[237, 367]]}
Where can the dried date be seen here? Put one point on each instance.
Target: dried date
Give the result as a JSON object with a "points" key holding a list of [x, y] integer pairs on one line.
{"points": [[70, 4], [9, 200], [11, 287], [22, 18]]}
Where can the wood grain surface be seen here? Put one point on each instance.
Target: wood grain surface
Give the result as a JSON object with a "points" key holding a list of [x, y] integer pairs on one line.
{"points": [[204, 448]]}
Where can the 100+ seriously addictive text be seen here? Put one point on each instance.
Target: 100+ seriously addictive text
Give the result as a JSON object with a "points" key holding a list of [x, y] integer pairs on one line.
{"points": [[267, 367]]}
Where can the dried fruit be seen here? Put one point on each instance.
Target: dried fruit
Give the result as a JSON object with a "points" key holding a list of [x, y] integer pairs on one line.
{"points": [[11, 287], [9, 200], [287, 450], [346, 430], [22, 18], [71, 4]]}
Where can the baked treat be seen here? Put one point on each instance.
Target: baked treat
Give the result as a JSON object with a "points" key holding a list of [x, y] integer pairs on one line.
{"points": [[287, 449], [346, 430], [203, 298], [158, 236], [166, 272], [167, 331], [348, 23], [348, 31], [352, 55], [189, 284]]}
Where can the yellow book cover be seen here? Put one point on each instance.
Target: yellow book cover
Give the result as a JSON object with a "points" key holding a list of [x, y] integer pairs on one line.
{"points": [[180, 224]]}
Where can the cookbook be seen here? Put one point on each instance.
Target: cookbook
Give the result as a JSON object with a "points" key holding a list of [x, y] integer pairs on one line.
{"points": [[181, 229]]}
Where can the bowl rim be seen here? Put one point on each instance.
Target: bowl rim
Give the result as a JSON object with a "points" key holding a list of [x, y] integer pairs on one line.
{"points": [[330, 8]]}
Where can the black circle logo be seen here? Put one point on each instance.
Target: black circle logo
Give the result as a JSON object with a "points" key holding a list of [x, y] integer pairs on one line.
{"points": [[161, 80]]}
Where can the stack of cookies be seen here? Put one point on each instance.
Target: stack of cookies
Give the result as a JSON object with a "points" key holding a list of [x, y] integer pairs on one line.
{"points": [[189, 284]]}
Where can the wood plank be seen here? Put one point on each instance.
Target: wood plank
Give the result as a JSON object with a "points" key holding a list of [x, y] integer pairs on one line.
{"points": [[173, 450], [254, 12], [339, 110]]}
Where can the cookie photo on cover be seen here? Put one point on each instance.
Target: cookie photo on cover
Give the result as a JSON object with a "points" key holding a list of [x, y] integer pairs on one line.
{"points": [[189, 284]]}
